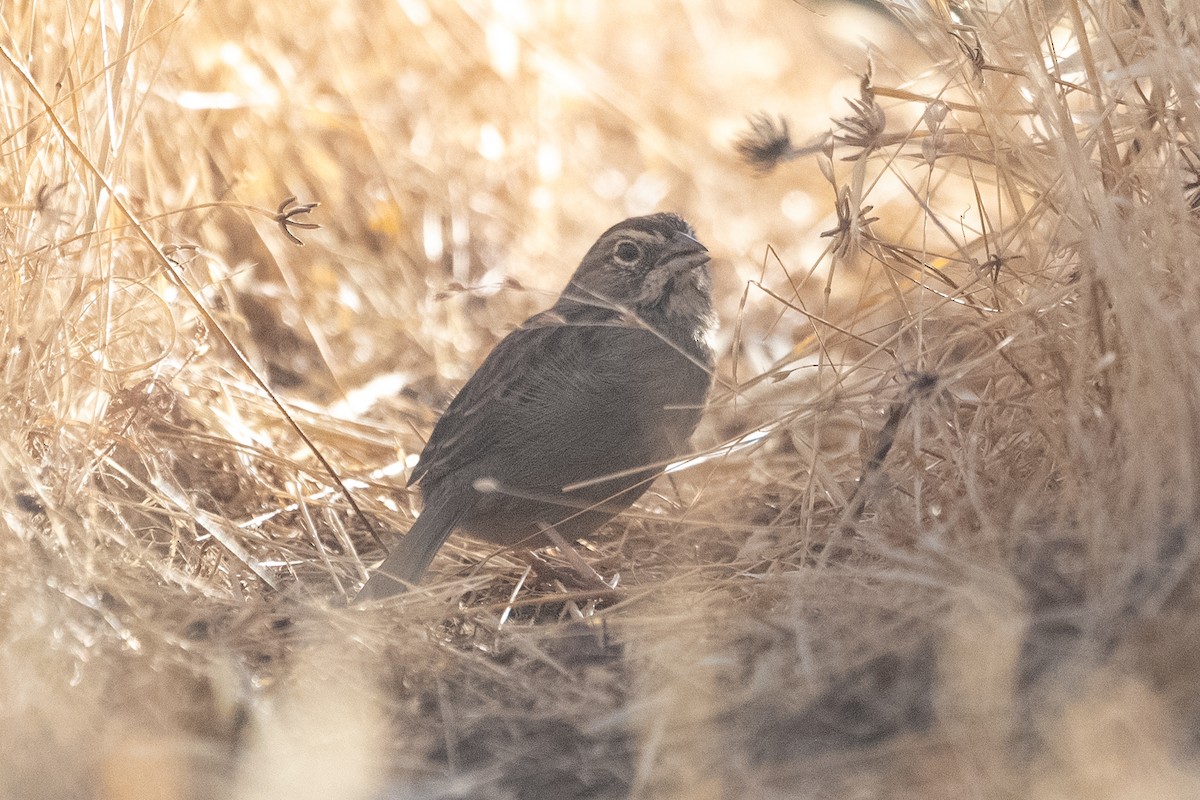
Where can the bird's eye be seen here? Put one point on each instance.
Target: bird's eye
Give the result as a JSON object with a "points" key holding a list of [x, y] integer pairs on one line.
{"points": [[627, 252]]}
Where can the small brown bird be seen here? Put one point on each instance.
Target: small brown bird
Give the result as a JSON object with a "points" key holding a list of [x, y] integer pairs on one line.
{"points": [[572, 415]]}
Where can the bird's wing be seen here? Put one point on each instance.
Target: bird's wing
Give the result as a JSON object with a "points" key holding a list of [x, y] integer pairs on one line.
{"points": [[557, 402], [475, 419]]}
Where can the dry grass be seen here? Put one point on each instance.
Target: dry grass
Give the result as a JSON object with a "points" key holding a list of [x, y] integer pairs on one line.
{"points": [[942, 539]]}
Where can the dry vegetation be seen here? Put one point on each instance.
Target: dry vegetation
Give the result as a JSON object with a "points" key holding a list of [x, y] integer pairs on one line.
{"points": [[942, 537]]}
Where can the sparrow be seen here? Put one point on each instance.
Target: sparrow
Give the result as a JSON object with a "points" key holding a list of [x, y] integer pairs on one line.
{"points": [[572, 415]]}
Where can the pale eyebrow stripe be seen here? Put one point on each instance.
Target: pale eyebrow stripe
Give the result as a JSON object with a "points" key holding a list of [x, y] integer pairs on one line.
{"points": [[650, 237]]}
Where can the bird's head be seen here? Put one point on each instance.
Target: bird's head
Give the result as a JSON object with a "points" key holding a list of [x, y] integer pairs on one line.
{"points": [[652, 267]]}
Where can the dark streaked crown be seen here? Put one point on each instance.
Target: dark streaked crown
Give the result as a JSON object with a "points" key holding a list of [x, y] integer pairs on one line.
{"points": [[663, 223]]}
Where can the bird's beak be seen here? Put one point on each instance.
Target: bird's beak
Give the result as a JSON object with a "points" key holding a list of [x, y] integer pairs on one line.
{"points": [[684, 253]]}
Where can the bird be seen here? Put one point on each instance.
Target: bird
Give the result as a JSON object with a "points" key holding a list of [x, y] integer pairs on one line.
{"points": [[572, 415]]}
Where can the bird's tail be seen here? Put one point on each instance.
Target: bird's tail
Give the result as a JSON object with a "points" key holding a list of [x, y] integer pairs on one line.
{"points": [[408, 561]]}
